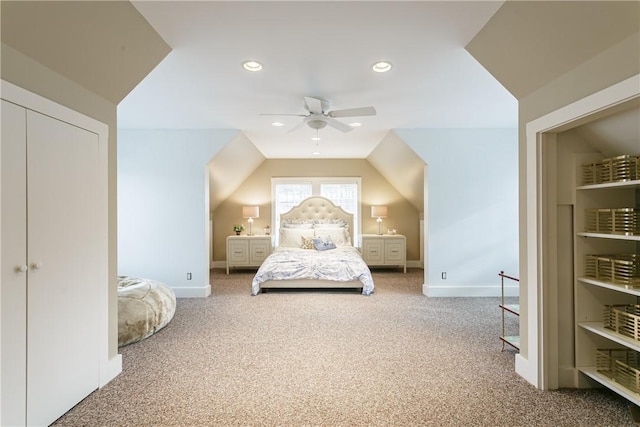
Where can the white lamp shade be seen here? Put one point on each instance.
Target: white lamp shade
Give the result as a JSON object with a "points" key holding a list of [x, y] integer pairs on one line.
{"points": [[251, 211], [378, 211]]}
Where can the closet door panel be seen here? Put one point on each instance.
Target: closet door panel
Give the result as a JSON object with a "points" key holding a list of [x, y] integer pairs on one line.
{"points": [[13, 282], [62, 336]]}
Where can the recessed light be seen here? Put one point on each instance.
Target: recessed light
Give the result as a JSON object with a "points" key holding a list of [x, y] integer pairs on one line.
{"points": [[277, 124], [252, 65], [381, 66], [315, 153], [315, 138], [355, 124]]}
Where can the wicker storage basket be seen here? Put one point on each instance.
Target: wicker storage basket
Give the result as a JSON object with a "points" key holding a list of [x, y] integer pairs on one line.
{"points": [[619, 268], [623, 319], [621, 168], [621, 366], [613, 221]]}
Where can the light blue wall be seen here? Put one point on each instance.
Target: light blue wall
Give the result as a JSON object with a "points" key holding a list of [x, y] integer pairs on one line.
{"points": [[472, 207], [163, 205]]}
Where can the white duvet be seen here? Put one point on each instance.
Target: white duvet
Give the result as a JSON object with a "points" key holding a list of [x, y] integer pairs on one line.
{"points": [[341, 264]]}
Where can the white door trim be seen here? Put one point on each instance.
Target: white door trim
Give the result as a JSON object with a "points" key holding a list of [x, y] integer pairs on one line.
{"points": [[532, 365]]}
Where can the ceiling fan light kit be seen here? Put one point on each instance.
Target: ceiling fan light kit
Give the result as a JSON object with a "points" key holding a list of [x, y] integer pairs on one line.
{"points": [[316, 122]]}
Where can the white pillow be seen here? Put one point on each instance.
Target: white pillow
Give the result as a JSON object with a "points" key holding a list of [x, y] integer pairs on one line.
{"points": [[331, 223], [339, 236], [294, 223], [292, 237]]}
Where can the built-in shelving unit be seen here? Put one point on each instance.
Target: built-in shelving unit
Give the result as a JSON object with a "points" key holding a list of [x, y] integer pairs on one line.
{"points": [[594, 295]]}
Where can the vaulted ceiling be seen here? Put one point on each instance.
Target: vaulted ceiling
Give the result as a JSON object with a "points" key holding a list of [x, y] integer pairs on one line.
{"points": [[323, 49]]}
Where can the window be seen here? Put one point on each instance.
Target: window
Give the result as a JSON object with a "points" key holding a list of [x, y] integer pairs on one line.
{"points": [[289, 192], [286, 195]]}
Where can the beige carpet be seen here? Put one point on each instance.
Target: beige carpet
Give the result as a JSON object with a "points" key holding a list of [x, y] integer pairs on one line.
{"points": [[396, 358]]}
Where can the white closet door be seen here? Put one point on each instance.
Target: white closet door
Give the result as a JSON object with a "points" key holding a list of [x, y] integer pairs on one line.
{"points": [[13, 282], [62, 312]]}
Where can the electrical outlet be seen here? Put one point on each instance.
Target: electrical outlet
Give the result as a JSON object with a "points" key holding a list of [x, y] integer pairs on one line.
{"points": [[444, 275], [188, 276]]}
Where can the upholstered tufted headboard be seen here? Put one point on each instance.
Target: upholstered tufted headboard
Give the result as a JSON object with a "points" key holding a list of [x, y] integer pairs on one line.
{"points": [[318, 208]]}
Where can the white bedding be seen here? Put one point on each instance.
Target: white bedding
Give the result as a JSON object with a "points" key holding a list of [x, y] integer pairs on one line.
{"points": [[342, 264]]}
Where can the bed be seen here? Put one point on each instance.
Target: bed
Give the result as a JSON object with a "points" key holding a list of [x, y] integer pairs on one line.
{"points": [[315, 251]]}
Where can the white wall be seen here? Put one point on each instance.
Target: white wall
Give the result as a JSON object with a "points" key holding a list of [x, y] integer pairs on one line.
{"points": [[163, 205], [472, 208]]}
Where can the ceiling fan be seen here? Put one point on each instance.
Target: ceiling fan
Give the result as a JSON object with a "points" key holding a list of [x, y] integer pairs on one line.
{"points": [[319, 115]]}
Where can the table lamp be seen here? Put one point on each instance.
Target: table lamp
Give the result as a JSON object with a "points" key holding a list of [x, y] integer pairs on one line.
{"points": [[379, 212], [250, 212]]}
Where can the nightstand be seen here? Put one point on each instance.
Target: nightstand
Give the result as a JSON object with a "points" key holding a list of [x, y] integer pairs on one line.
{"points": [[385, 250], [247, 251]]}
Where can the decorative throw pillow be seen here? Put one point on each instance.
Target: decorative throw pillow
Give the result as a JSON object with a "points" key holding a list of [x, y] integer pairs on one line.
{"points": [[307, 242], [323, 243], [340, 236]]}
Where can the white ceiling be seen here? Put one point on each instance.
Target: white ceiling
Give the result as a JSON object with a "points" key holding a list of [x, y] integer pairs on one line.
{"points": [[322, 49]]}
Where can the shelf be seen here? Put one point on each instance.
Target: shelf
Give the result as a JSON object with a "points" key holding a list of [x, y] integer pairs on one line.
{"points": [[511, 308], [592, 373], [513, 341], [609, 236], [599, 329], [627, 289], [619, 184]]}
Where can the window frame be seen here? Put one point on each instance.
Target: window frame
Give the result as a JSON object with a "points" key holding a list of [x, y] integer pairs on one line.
{"points": [[316, 183]]}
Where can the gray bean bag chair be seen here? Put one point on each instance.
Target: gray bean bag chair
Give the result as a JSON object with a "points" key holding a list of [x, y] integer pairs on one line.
{"points": [[144, 307]]}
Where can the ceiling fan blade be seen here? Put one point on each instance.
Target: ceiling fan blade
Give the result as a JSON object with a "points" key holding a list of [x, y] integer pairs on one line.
{"points": [[337, 124], [296, 127], [354, 112], [314, 105], [283, 114]]}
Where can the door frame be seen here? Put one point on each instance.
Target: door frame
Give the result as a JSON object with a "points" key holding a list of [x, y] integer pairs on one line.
{"points": [[539, 365]]}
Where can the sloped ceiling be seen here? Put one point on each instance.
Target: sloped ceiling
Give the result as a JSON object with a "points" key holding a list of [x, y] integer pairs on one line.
{"points": [[619, 133], [402, 167], [231, 167], [527, 44], [106, 46]]}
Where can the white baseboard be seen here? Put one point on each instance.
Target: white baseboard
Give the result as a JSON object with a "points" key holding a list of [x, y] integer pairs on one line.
{"points": [[218, 264], [410, 264], [524, 369], [202, 292], [567, 377], [112, 369], [469, 291]]}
